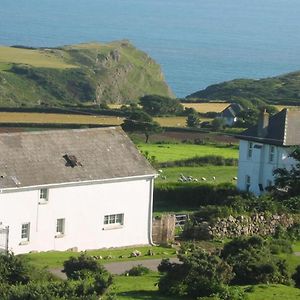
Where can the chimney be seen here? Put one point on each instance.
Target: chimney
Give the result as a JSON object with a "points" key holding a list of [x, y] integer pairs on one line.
{"points": [[263, 123]]}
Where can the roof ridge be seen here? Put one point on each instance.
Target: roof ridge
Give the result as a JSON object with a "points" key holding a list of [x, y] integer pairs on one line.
{"points": [[286, 110]]}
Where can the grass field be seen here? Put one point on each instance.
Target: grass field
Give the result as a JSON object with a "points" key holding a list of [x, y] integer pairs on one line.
{"points": [[36, 58], [55, 259], [207, 107], [11, 117], [171, 152], [222, 173], [17, 117], [144, 287]]}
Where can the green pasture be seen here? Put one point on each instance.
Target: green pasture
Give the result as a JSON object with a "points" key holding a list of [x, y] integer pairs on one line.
{"points": [[36, 58], [144, 287], [274, 292], [55, 259], [221, 173], [171, 152]]}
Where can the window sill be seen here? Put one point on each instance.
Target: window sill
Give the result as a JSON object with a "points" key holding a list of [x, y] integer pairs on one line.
{"points": [[59, 236], [43, 202], [23, 243], [112, 227]]}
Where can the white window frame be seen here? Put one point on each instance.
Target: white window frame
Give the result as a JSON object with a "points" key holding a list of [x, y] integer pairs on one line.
{"points": [[271, 153], [113, 221], [247, 183], [25, 232], [43, 196], [250, 150], [60, 227]]}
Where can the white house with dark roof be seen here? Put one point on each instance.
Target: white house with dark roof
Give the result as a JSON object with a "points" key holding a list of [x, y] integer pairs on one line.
{"points": [[230, 113], [265, 148], [62, 189]]}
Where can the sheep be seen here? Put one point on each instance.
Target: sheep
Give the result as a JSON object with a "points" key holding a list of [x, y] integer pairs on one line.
{"points": [[195, 179], [234, 178], [214, 177], [203, 178], [180, 179], [160, 170]]}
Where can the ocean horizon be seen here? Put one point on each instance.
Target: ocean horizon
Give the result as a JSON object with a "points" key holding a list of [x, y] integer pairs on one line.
{"points": [[196, 42]]}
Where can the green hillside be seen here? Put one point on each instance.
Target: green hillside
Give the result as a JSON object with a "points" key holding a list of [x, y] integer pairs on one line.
{"points": [[283, 89], [97, 73]]}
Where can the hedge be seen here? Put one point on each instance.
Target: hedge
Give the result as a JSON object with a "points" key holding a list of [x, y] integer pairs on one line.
{"points": [[192, 194]]}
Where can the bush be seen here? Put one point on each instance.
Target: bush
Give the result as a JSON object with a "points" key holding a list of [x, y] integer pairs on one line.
{"points": [[296, 277], [13, 270], [253, 262], [200, 275], [138, 270]]}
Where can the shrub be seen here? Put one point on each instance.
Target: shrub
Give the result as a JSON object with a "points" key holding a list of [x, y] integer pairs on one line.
{"points": [[296, 277], [253, 262], [200, 275], [13, 269], [138, 270]]}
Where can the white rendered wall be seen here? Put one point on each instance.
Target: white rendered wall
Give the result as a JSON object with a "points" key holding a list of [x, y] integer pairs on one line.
{"points": [[259, 167], [83, 208]]}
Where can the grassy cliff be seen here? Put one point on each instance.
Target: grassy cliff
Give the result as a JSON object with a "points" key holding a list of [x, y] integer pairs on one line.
{"points": [[283, 89], [90, 73]]}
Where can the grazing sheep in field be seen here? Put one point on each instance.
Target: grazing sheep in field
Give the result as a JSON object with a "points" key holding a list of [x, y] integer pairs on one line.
{"points": [[214, 177], [234, 178], [180, 179], [195, 179], [203, 178]]}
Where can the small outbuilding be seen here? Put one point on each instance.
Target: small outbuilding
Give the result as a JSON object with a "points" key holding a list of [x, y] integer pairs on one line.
{"points": [[83, 189]]}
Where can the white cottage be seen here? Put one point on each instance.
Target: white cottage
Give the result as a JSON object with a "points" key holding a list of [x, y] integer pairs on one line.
{"points": [[265, 148], [230, 113], [61, 189]]}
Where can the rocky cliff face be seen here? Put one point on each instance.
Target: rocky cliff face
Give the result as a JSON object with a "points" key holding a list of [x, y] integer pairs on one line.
{"points": [[95, 73]]}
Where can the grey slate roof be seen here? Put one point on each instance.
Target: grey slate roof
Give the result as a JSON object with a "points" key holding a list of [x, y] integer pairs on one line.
{"points": [[231, 111], [283, 129], [36, 158]]}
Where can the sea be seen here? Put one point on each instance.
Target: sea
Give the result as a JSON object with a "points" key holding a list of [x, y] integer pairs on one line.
{"points": [[196, 42]]}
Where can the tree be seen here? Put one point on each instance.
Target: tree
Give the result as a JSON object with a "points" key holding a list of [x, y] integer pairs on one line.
{"points": [[218, 124], [158, 105], [193, 120], [289, 180], [139, 121]]}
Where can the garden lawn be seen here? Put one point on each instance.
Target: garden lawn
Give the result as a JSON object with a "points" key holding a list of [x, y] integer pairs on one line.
{"points": [[55, 259], [296, 247], [221, 173], [171, 152], [274, 292], [139, 287]]}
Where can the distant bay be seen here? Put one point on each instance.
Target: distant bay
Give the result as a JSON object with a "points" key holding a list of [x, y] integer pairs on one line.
{"points": [[197, 42]]}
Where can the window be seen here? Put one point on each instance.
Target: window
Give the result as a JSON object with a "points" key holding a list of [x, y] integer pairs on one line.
{"points": [[44, 195], [250, 149], [60, 226], [248, 183], [271, 153], [25, 232], [114, 219]]}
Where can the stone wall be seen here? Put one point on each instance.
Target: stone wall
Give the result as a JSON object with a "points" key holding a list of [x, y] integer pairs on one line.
{"points": [[257, 224]]}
